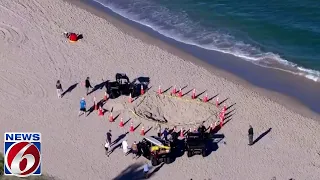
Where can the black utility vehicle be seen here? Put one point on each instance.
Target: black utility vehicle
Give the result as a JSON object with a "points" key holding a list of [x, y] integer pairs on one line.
{"points": [[156, 150], [195, 143], [122, 86]]}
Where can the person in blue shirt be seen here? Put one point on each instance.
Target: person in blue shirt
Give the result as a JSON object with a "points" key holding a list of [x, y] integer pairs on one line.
{"points": [[83, 107], [165, 134], [146, 170]]}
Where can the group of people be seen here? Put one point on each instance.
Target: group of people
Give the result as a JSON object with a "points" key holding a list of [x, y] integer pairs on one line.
{"points": [[124, 145], [83, 104], [134, 149]]}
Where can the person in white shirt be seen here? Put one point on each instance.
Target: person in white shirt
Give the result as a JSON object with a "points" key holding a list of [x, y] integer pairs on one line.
{"points": [[107, 147], [125, 147]]}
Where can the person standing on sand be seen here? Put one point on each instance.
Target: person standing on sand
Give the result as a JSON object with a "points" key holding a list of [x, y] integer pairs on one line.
{"points": [[165, 134], [250, 134], [134, 149], [159, 130], [83, 107], [107, 147], [146, 169], [87, 85], [109, 136], [124, 146], [59, 89]]}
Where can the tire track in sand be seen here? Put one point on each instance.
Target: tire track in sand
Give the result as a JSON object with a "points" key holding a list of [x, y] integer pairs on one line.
{"points": [[17, 84], [55, 64], [10, 35]]}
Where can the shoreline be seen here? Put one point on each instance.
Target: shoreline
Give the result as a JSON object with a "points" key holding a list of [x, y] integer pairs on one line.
{"points": [[72, 144], [291, 103]]}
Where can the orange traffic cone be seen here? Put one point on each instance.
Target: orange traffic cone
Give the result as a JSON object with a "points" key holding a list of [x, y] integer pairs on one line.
{"points": [[180, 93], [159, 90], [121, 123], [222, 115], [174, 90], [111, 118], [142, 90], [181, 133], [224, 107], [217, 102], [130, 98], [131, 127], [94, 103], [193, 96], [100, 112], [205, 98], [221, 119], [142, 133], [105, 97]]}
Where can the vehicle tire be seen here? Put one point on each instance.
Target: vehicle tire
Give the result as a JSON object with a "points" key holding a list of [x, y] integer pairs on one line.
{"points": [[189, 154], [204, 153], [154, 161], [112, 95], [167, 160]]}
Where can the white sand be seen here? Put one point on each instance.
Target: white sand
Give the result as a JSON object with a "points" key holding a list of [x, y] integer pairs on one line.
{"points": [[34, 55]]}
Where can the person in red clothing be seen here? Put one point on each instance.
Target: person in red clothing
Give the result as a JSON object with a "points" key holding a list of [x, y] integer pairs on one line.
{"points": [[73, 37]]}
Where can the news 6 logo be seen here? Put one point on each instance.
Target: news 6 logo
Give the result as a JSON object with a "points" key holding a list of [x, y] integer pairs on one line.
{"points": [[22, 154]]}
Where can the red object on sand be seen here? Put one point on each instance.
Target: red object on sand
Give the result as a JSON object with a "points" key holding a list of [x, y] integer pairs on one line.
{"points": [[205, 98], [222, 114], [224, 108], [130, 98], [159, 90], [111, 118], [142, 90], [142, 133], [221, 118], [73, 37], [181, 133], [100, 112], [131, 127], [193, 94], [174, 90], [105, 96], [180, 93], [121, 123]]}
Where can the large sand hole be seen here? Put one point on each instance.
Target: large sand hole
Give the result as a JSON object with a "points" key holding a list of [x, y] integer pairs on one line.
{"points": [[174, 111]]}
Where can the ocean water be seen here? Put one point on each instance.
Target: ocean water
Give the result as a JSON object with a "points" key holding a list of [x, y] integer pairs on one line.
{"points": [[284, 35]]}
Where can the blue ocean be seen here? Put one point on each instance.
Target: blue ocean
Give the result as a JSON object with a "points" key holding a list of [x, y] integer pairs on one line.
{"points": [[284, 35]]}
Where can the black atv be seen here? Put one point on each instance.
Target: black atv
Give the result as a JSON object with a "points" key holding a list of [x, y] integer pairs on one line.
{"points": [[122, 86], [195, 143]]}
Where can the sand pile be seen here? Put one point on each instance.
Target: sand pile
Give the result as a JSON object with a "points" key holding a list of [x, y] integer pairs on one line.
{"points": [[174, 110]]}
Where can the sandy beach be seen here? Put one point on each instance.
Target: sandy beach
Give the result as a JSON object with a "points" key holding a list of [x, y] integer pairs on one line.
{"points": [[34, 55]]}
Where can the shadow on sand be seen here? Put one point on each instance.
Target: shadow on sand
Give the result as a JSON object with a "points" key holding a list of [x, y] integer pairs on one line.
{"points": [[262, 135], [135, 172]]}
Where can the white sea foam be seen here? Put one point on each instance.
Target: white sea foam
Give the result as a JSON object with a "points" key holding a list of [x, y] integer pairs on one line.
{"points": [[180, 28]]}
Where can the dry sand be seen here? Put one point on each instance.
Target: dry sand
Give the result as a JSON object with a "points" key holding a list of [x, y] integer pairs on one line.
{"points": [[34, 54]]}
